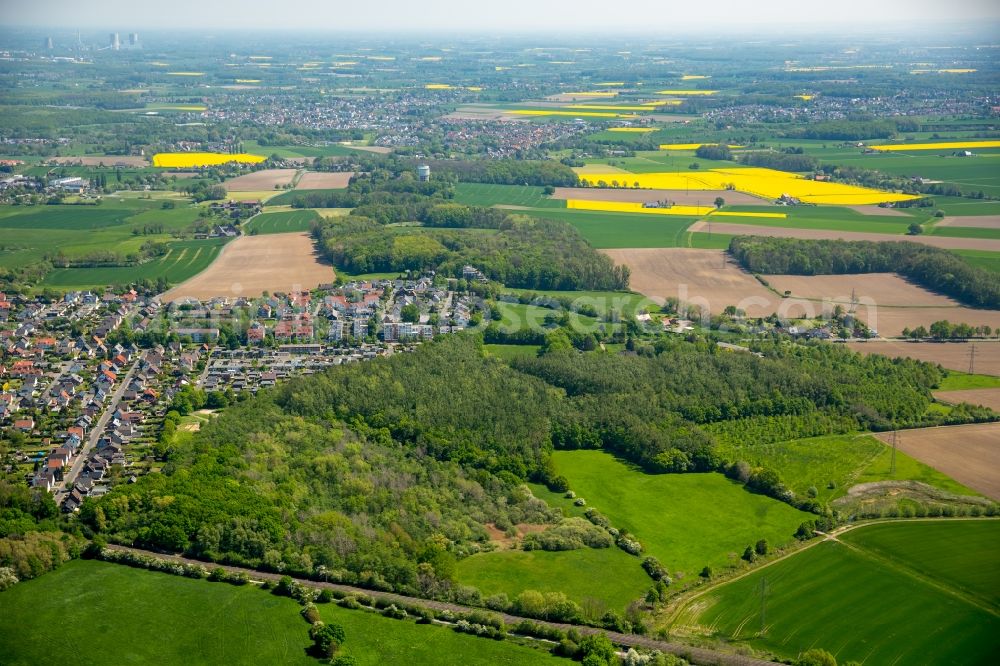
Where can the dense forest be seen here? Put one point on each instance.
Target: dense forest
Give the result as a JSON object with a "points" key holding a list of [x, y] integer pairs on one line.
{"points": [[385, 473], [933, 268], [522, 253]]}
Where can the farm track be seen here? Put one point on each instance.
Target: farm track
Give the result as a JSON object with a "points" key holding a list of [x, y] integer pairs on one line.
{"points": [[685, 602], [696, 655]]}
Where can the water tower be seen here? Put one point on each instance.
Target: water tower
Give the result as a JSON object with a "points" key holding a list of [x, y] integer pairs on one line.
{"points": [[423, 173]]}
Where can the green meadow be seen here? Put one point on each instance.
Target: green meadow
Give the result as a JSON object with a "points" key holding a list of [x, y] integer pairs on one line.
{"points": [[133, 616], [484, 194], [584, 575], [688, 521]]}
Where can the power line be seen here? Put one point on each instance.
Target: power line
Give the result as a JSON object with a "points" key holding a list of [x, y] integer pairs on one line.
{"points": [[972, 359], [892, 462]]}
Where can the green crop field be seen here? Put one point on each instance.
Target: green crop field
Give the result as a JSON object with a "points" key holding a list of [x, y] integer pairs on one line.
{"points": [[951, 552], [184, 259], [282, 222], [981, 258], [478, 194], [583, 575], [962, 207], [688, 521], [883, 603], [611, 230], [706, 241], [29, 233]]}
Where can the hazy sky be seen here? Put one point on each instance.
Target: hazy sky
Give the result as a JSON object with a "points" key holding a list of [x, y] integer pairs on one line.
{"points": [[647, 16]]}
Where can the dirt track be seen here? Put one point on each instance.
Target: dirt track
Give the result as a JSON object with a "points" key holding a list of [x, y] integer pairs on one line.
{"points": [[697, 655], [680, 197], [251, 265], [970, 454], [948, 243], [951, 355]]}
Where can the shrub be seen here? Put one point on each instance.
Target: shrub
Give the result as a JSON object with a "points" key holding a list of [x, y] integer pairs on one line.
{"points": [[395, 612], [310, 613], [325, 596]]}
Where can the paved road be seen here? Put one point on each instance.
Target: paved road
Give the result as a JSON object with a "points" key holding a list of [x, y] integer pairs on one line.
{"points": [[695, 655], [95, 433]]}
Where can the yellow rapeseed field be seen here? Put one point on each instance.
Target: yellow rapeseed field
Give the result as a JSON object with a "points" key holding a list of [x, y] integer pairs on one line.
{"points": [[575, 114], [686, 92], [764, 183], [247, 80], [631, 207], [949, 145], [438, 86], [942, 71], [804, 98], [694, 77], [187, 160]]}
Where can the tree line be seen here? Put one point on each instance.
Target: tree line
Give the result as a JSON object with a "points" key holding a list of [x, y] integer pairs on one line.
{"points": [[930, 267]]}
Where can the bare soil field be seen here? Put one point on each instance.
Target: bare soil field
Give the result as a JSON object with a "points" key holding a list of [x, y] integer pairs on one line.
{"points": [[381, 150], [879, 288], [106, 160], [945, 242], [977, 221], [598, 168], [680, 197], [251, 265], [878, 210], [970, 454], [481, 113], [265, 179], [989, 397], [699, 277], [951, 355], [313, 180], [890, 321]]}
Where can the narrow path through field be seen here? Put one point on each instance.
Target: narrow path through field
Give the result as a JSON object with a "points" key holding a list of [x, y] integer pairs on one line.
{"points": [[696, 654], [685, 602], [912, 573]]}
